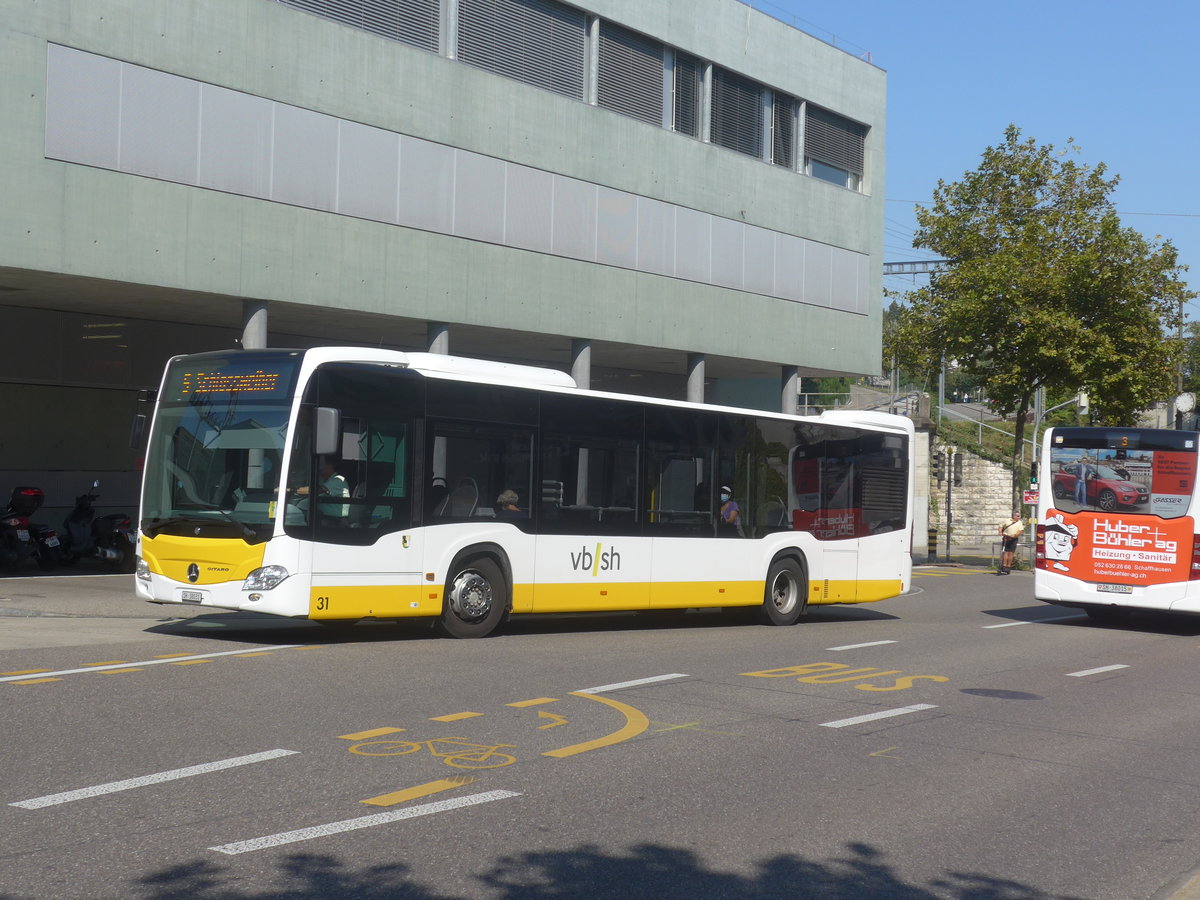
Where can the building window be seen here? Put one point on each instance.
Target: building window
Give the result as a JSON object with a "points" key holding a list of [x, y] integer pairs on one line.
{"points": [[833, 148], [630, 74], [538, 42], [412, 21], [685, 81], [737, 113], [783, 130]]}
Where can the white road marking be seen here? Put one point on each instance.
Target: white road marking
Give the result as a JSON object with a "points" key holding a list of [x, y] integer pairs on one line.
{"points": [[409, 812], [624, 684], [150, 662], [129, 783], [1036, 621], [885, 714], [1097, 671], [860, 646]]}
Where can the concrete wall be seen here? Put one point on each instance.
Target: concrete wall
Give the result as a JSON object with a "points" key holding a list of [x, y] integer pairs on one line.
{"points": [[66, 218]]}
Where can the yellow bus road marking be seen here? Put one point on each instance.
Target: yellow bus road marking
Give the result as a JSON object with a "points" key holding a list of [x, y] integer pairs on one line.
{"points": [[252, 655], [559, 720], [455, 717], [37, 681], [170, 655], [635, 723], [520, 704], [409, 812], [375, 732], [111, 662], [307, 647], [26, 672], [121, 666], [884, 752], [191, 662], [421, 790], [119, 671]]}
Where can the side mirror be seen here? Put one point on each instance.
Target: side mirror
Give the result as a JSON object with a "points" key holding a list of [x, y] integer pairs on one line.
{"points": [[327, 431]]}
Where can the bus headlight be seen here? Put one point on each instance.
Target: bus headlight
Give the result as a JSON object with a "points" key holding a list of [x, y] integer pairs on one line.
{"points": [[142, 570], [265, 579]]}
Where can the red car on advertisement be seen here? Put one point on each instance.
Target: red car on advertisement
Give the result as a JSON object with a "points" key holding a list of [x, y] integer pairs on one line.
{"points": [[1106, 488]]}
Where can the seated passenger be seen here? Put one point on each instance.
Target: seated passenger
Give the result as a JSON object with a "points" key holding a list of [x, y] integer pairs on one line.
{"points": [[506, 506]]}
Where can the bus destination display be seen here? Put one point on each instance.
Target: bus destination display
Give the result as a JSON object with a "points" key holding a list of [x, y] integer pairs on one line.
{"points": [[261, 376], [256, 382]]}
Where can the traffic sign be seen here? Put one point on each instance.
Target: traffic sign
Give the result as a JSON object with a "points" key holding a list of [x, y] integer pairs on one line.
{"points": [[1030, 498]]}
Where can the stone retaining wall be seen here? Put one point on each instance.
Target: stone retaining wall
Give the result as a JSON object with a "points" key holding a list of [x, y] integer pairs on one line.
{"points": [[980, 503]]}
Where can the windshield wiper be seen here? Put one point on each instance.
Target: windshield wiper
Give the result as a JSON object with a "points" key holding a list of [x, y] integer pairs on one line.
{"points": [[159, 524]]}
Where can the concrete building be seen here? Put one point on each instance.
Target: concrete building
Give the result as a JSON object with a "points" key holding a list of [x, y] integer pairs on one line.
{"points": [[678, 197]]}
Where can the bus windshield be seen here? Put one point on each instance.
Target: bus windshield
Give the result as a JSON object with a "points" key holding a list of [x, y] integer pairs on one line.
{"points": [[217, 448]]}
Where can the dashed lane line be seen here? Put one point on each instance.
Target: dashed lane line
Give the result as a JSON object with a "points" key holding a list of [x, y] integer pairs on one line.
{"points": [[604, 688], [860, 646], [882, 714], [1035, 621], [318, 831], [1098, 671], [113, 787], [125, 666]]}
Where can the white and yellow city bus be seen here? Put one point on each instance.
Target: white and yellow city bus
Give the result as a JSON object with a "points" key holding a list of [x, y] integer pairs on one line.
{"points": [[1116, 520], [346, 484]]}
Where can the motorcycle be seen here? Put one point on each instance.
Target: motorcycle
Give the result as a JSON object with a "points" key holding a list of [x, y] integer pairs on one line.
{"points": [[115, 541], [22, 539]]}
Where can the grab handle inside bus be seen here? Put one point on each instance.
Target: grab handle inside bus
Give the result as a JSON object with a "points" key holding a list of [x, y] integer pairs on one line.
{"points": [[327, 431]]}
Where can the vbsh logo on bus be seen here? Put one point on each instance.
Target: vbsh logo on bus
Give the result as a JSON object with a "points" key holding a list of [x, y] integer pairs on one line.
{"points": [[598, 560], [1123, 549]]}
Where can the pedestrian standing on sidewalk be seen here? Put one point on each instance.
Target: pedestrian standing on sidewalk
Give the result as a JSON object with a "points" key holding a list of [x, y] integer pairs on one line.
{"points": [[1010, 533]]}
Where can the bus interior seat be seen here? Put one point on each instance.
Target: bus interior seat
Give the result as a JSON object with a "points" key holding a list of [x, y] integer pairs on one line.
{"points": [[461, 501]]}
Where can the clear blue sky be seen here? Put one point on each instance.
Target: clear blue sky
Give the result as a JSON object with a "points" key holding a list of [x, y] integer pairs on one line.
{"points": [[1119, 78]]}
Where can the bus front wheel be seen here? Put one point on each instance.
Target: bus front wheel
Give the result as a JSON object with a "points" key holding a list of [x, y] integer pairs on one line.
{"points": [[786, 595], [476, 599]]}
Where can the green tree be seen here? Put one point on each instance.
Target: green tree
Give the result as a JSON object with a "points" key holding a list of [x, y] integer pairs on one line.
{"points": [[1044, 288]]}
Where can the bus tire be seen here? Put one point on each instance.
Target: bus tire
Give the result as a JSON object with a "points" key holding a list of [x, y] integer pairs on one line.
{"points": [[476, 599], [785, 597]]}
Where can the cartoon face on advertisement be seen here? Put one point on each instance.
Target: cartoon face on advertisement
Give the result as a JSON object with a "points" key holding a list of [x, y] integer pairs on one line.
{"points": [[1061, 539]]}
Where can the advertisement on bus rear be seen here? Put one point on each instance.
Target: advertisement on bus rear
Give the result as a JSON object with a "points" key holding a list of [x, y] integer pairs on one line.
{"points": [[1118, 548]]}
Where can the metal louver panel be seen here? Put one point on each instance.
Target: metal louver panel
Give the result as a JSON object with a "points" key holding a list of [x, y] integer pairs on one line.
{"points": [[539, 42], [687, 94], [630, 74], [737, 113], [834, 140], [411, 21], [783, 130]]}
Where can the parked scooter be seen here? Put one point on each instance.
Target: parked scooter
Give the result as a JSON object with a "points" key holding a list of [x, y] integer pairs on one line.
{"points": [[78, 539], [23, 539]]}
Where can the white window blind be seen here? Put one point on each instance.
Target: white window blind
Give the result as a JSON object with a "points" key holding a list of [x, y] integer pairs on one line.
{"points": [[630, 74], [539, 42], [412, 21], [737, 113]]}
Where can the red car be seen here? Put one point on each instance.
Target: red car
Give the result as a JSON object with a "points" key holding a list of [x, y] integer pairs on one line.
{"points": [[1106, 488]]}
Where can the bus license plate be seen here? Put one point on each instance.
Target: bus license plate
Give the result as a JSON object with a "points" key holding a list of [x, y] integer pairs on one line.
{"points": [[1114, 588], [191, 596]]}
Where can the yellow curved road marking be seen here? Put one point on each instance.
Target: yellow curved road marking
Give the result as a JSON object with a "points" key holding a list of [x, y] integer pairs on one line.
{"points": [[635, 723]]}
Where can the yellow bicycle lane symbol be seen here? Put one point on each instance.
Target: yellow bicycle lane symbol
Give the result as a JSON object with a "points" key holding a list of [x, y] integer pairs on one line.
{"points": [[453, 751]]}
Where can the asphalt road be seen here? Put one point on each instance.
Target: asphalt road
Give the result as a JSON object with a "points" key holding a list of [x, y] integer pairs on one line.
{"points": [[962, 742]]}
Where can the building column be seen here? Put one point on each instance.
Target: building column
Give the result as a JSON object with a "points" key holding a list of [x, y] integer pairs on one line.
{"points": [[695, 378], [438, 338], [254, 324], [581, 362], [789, 394]]}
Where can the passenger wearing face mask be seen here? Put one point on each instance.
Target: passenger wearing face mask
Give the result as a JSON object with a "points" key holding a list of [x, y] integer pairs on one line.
{"points": [[730, 513]]}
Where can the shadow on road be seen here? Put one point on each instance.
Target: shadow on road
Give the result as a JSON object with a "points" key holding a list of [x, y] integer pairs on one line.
{"points": [[645, 872]]}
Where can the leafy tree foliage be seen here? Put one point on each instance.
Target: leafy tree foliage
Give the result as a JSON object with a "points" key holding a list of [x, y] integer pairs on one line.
{"points": [[1044, 287]]}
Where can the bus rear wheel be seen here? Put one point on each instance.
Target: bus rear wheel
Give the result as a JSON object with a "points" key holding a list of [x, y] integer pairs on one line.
{"points": [[476, 599], [786, 596]]}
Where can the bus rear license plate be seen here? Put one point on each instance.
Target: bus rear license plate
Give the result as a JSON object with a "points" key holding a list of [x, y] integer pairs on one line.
{"points": [[1114, 588], [191, 596]]}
